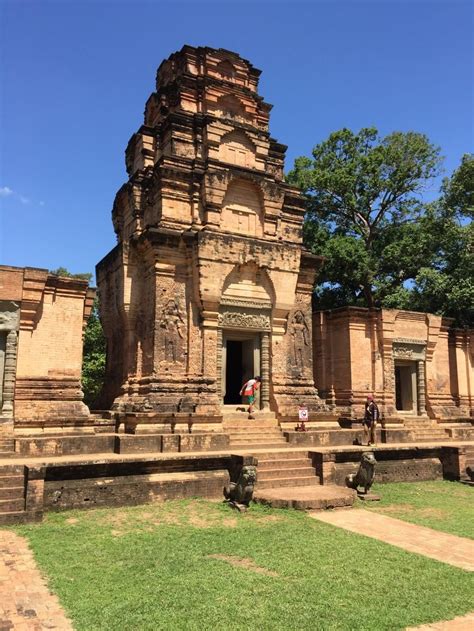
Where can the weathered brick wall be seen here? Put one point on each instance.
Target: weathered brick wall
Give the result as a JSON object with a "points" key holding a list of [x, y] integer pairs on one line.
{"points": [[48, 356]]}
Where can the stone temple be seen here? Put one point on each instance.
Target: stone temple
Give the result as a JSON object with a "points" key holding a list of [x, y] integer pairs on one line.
{"points": [[209, 284]]}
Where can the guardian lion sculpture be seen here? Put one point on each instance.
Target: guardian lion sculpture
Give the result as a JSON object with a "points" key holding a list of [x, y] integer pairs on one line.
{"points": [[239, 494], [365, 474]]}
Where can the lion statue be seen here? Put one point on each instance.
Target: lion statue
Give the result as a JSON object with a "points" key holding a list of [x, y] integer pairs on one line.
{"points": [[365, 474], [240, 492]]}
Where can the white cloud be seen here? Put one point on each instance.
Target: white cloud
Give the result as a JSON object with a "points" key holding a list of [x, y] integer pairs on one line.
{"points": [[5, 191], [41, 203], [24, 200]]}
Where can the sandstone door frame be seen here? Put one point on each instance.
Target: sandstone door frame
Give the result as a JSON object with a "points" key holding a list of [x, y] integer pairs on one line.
{"points": [[250, 361], [261, 337], [412, 353]]}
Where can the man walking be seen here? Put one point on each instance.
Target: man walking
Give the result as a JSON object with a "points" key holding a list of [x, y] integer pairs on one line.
{"points": [[371, 418]]}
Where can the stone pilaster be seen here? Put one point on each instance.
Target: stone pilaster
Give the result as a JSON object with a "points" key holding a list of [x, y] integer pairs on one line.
{"points": [[420, 373], [265, 360], [9, 374]]}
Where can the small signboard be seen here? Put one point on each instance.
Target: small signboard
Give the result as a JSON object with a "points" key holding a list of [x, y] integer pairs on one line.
{"points": [[303, 413]]}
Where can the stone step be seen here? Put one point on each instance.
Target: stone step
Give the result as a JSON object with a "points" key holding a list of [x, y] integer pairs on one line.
{"points": [[9, 481], [12, 469], [257, 438], [9, 505], [297, 472], [281, 453], [255, 432], [249, 425], [13, 517], [279, 482], [245, 446], [11, 492], [282, 463]]}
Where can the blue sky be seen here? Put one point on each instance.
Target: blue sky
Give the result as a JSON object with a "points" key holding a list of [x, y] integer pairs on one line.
{"points": [[76, 74]]}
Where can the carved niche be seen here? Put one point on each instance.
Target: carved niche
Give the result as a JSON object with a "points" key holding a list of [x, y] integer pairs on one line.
{"points": [[242, 211], [300, 346], [236, 148], [173, 327]]}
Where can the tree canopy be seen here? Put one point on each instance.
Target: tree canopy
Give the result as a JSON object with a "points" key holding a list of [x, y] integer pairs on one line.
{"points": [[93, 364], [385, 247]]}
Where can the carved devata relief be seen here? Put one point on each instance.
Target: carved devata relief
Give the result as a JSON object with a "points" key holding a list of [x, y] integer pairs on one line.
{"points": [[173, 326], [300, 341]]}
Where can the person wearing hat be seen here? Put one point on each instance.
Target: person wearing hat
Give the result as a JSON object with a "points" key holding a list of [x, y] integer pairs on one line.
{"points": [[371, 417]]}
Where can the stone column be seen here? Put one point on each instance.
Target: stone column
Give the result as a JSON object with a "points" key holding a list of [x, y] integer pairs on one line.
{"points": [[420, 373], [265, 361], [219, 364], [9, 374]]}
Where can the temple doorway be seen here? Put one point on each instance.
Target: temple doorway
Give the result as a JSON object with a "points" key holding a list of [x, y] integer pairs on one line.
{"points": [[240, 361], [406, 387]]}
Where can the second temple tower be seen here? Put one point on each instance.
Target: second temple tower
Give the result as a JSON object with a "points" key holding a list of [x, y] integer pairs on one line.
{"points": [[209, 283]]}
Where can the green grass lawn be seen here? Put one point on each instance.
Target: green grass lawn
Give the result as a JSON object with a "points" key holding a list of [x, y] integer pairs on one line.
{"points": [[198, 565], [442, 505]]}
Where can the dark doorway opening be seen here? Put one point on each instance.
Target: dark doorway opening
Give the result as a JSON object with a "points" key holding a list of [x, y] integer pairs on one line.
{"points": [[234, 372], [398, 389]]}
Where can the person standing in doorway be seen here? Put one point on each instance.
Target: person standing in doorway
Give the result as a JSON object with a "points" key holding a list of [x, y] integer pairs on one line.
{"points": [[371, 418], [248, 390]]}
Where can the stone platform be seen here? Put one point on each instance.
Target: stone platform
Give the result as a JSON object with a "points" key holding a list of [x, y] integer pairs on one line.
{"points": [[30, 486], [307, 497]]}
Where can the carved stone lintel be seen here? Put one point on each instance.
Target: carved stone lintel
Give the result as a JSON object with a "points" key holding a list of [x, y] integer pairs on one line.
{"points": [[409, 350], [9, 315], [240, 320]]}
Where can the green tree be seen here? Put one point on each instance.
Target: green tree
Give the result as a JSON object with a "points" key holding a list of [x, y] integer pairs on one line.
{"points": [[93, 364], [363, 209], [458, 190], [447, 285], [62, 271]]}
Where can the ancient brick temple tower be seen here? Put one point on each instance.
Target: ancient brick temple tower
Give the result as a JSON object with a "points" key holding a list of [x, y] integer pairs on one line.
{"points": [[209, 283]]}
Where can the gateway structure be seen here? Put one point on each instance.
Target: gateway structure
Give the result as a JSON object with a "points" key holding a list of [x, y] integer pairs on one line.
{"points": [[209, 283]]}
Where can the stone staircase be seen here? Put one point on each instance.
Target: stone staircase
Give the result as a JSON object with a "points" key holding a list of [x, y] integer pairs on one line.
{"points": [[12, 495], [285, 469], [261, 433], [425, 429], [278, 466]]}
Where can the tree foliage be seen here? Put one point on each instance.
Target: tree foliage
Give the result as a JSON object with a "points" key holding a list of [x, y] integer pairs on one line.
{"points": [[63, 271], [363, 203], [93, 365], [383, 246]]}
